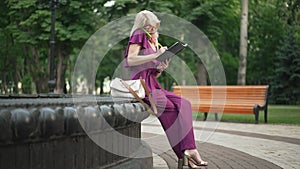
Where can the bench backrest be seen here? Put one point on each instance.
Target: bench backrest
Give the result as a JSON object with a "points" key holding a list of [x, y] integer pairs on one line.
{"points": [[223, 94]]}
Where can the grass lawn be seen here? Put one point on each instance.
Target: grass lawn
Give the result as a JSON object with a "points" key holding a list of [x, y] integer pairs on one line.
{"points": [[277, 114]]}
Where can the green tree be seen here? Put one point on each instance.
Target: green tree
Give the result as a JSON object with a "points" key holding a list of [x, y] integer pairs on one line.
{"points": [[286, 86], [25, 33], [76, 21], [219, 20], [11, 64], [29, 24], [285, 81], [265, 31]]}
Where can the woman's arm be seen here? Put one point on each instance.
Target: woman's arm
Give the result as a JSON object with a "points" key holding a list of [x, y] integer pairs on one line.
{"points": [[134, 58]]}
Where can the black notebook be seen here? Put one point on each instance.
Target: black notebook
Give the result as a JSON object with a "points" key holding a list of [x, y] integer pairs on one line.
{"points": [[171, 51]]}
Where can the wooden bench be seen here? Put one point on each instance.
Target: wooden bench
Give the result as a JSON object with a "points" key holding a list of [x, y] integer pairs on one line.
{"points": [[226, 99]]}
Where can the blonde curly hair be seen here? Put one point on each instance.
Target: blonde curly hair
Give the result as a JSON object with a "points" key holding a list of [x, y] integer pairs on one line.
{"points": [[143, 19]]}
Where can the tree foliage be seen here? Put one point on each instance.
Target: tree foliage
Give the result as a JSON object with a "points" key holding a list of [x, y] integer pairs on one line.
{"points": [[285, 83], [25, 34], [286, 86]]}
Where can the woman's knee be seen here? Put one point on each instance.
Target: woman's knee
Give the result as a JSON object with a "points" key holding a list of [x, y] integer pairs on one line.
{"points": [[185, 102]]}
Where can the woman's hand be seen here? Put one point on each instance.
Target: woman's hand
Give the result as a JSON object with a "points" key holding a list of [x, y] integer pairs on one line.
{"points": [[163, 65], [161, 50]]}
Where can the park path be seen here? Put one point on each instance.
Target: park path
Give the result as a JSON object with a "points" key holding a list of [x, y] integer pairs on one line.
{"points": [[231, 145]]}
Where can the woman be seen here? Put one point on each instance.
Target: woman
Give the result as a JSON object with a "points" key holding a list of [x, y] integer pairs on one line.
{"points": [[174, 112]]}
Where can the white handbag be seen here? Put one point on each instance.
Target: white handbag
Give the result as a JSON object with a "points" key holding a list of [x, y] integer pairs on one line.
{"points": [[133, 89], [119, 90]]}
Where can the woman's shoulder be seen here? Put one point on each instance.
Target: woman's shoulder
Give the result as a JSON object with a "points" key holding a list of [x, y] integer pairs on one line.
{"points": [[138, 32], [139, 36]]}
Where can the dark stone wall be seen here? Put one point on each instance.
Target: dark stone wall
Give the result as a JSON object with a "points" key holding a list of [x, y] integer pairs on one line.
{"points": [[55, 133]]}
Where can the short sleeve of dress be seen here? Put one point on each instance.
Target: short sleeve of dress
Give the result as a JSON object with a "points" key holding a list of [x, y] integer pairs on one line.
{"points": [[138, 37]]}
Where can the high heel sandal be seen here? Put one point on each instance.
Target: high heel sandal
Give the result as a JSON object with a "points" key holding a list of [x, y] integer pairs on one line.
{"points": [[189, 161]]}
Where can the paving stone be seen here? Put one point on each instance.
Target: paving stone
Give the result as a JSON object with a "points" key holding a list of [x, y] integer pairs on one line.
{"points": [[234, 145], [220, 157]]}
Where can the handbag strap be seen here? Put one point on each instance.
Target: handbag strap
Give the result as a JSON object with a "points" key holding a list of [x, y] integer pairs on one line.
{"points": [[149, 95], [137, 97]]}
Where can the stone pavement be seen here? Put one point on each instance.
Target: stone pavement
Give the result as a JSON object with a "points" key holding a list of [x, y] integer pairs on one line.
{"points": [[231, 145]]}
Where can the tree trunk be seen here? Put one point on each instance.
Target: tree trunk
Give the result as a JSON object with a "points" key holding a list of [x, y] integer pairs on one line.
{"points": [[202, 74], [4, 84], [71, 68], [17, 78], [39, 78], [61, 72], [243, 44], [91, 77]]}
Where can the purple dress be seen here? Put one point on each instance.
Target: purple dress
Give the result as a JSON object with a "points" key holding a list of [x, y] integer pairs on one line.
{"points": [[174, 112]]}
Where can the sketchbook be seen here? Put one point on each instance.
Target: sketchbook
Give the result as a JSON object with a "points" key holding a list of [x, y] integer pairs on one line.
{"points": [[171, 51]]}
